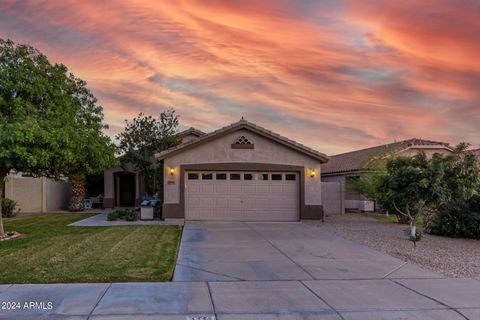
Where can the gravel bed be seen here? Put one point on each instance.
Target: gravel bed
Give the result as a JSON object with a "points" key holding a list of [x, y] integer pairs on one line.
{"points": [[448, 256]]}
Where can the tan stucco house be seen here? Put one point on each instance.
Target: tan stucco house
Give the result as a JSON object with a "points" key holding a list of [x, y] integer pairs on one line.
{"points": [[342, 168], [239, 172]]}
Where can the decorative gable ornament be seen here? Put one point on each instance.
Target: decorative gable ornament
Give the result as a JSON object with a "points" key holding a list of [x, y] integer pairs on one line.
{"points": [[242, 143]]}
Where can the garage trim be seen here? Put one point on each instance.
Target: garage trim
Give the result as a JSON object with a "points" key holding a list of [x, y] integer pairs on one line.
{"points": [[177, 210]]}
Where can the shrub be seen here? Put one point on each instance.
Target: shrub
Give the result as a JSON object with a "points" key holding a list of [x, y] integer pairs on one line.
{"points": [[112, 216], [131, 215], [8, 208], [459, 220]]}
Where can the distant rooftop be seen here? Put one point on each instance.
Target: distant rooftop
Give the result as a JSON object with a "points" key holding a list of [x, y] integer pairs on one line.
{"points": [[357, 160]]}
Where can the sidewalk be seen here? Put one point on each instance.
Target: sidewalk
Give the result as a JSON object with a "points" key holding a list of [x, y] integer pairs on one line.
{"points": [[312, 299], [100, 220]]}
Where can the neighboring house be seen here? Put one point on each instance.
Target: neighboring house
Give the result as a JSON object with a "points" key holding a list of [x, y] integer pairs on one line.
{"points": [[342, 168], [124, 186], [242, 172], [36, 195]]}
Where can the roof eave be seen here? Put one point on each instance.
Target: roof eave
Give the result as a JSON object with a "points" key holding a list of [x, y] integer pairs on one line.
{"points": [[238, 126]]}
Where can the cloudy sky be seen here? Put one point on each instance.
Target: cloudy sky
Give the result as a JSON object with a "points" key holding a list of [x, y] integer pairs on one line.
{"points": [[335, 75]]}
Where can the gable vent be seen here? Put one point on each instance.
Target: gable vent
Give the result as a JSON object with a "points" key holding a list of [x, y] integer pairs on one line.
{"points": [[243, 140], [242, 143]]}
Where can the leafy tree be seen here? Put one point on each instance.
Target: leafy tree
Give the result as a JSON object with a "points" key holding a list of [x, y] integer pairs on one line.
{"points": [[456, 187], [142, 138], [48, 118], [407, 188]]}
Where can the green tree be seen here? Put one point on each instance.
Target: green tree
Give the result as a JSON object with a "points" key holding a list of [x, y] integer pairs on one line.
{"points": [[407, 188], [456, 188], [142, 138], [47, 118], [93, 150]]}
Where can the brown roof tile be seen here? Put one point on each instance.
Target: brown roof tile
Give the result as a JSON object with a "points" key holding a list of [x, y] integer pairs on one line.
{"points": [[357, 160], [244, 124]]}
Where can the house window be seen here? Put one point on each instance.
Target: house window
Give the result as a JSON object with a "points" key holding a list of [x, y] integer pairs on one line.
{"points": [[276, 176], [221, 176], [234, 176], [248, 176], [207, 176], [263, 176], [290, 177], [193, 176]]}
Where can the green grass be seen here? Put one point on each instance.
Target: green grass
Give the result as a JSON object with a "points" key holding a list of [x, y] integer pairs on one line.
{"points": [[52, 252]]}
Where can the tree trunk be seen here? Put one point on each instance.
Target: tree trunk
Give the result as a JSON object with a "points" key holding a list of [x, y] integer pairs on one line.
{"points": [[2, 181], [413, 229], [77, 193]]}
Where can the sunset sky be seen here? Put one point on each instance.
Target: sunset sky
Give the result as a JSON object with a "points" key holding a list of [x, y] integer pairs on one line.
{"points": [[334, 75]]}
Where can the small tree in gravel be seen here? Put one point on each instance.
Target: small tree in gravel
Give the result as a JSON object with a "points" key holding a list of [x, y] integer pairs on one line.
{"points": [[407, 187]]}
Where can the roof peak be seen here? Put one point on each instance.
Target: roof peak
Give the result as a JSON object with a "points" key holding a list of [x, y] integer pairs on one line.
{"points": [[253, 127]]}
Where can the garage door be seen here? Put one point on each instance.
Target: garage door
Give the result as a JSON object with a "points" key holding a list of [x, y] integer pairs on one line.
{"points": [[244, 196]]}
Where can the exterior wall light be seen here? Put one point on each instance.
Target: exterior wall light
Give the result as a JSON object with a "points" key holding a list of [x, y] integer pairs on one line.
{"points": [[311, 173], [172, 171]]}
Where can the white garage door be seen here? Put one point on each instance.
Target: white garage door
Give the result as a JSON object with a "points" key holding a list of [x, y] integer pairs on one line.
{"points": [[244, 196]]}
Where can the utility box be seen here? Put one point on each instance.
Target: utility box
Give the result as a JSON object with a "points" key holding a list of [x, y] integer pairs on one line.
{"points": [[147, 209]]}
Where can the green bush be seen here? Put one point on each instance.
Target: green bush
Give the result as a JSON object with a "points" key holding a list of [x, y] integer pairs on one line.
{"points": [[459, 220], [131, 215], [8, 208], [112, 216]]}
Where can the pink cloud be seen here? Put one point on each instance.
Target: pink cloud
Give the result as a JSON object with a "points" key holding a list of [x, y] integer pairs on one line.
{"points": [[333, 76]]}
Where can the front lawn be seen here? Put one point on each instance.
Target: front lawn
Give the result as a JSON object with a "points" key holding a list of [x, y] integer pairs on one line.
{"points": [[53, 252]]}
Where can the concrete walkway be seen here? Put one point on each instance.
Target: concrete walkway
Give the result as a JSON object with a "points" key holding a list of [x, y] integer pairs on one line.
{"points": [[249, 300], [257, 271], [100, 220]]}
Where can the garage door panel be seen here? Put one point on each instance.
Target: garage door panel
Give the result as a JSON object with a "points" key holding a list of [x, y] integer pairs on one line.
{"points": [[276, 189], [221, 202], [236, 188], [250, 189], [263, 188], [221, 188], [249, 199]]}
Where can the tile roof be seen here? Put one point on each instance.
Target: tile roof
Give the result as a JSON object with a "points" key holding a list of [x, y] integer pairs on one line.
{"points": [[244, 124], [357, 160], [188, 131]]}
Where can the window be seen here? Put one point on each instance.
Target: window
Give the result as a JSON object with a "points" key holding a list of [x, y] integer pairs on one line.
{"points": [[221, 176], [242, 140], [263, 176], [234, 176], [207, 176], [291, 177], [193, 176], [248, 176], [276, 176]]}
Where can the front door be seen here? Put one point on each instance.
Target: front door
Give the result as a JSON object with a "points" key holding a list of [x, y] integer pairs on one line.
{"points": [[127, 190]]}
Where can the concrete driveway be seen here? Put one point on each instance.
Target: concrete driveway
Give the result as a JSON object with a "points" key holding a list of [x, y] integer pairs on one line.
{"points": [[260, 271], [233, 251]]}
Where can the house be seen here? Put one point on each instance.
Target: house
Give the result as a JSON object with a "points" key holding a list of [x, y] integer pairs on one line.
{"points": [[242, 172], [36, 195], [342, 168], [124, 186]]}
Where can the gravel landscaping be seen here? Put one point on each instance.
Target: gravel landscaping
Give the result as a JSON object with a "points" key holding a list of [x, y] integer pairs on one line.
{"points": [[447, 256]]}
